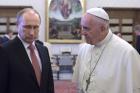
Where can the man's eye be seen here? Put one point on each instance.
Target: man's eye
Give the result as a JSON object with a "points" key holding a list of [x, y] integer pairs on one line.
{"points": [[36, 27], [30, 27], [85, 28], [27, 26]]}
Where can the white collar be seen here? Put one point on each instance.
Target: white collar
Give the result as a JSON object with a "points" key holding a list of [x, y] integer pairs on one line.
{"points": [[7, 36], [106, 39]]}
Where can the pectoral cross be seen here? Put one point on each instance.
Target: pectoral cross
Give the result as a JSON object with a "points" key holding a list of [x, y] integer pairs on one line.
{"points": [[88, 82]]}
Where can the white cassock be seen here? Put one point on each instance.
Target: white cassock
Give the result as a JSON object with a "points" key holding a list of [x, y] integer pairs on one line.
{"points": [[114, 66]]}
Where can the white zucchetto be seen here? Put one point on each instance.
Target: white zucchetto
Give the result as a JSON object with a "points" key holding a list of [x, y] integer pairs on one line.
{"points": [[98, 12]]}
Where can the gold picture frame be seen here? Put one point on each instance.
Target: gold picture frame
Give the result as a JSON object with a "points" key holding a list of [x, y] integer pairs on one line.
{"points": [[63, 20]]}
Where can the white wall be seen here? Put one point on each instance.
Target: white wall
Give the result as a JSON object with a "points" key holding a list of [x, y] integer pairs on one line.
{"points": [[39, 5], [113, 3]]}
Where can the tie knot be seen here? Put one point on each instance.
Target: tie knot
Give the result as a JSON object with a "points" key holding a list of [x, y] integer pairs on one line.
{"points": [[31, 47]]}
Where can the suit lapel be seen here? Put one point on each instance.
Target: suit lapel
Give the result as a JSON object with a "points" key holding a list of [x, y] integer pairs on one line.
{"points": [[40, 55], [43, 62], [23, 58]]}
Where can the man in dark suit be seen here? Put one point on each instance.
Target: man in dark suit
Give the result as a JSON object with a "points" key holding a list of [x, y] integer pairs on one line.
{"points": [[8, 36], [137, 34], [22, 69]]}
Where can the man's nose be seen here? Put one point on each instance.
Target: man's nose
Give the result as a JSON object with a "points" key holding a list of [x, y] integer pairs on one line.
{"points": [[32, 28], [83, 32], [32, 31]]}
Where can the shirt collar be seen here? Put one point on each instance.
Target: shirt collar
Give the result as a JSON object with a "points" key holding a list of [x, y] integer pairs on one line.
{"points": [[107, 38], [25, 44], [7, 36]]}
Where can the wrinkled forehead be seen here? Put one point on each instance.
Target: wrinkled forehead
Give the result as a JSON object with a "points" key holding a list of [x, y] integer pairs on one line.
{"points": [[94, 20], [87, 19]]}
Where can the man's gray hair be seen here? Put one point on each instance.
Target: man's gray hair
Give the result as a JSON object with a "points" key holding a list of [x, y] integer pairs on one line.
{"points": [[21, 12]]}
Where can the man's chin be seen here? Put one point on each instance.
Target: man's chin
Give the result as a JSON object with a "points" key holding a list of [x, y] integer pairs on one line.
{"points": [[29, 41], [88, 41]]}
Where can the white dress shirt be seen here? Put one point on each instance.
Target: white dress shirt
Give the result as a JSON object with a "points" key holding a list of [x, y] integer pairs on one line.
{"points": [[28, 51]]}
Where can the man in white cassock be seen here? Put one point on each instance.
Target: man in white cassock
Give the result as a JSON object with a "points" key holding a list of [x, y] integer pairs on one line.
{"points": [[107, 63]]}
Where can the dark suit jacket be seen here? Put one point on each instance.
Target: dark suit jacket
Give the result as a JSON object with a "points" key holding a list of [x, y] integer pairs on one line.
{"points": [[138, 44], [3, 39], [16, 71]]}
